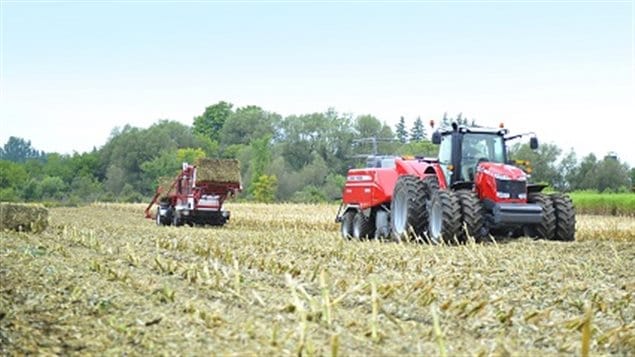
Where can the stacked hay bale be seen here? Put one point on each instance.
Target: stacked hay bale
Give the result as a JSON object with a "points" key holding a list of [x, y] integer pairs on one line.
{"points": [[165, 183], [217, 170], [23, 217]]}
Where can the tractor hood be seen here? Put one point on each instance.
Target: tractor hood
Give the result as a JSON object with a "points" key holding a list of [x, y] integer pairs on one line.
{"points": [[502, 171]]}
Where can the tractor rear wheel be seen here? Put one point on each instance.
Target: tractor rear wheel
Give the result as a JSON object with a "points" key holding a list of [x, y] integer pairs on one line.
{"points": [[346, 228], [408, 209], [363, 227], [565, 217], [472, 214], [547, 227], [444, 216]]}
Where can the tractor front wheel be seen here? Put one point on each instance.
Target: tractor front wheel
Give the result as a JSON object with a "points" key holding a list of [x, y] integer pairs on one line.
{"points": [[547, 226], [565, 217], [408, 208], [472, 214]]}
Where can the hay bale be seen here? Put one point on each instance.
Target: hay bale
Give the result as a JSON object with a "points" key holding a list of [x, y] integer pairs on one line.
{"points": [[23, 217], [217, 170], [165, 183]]}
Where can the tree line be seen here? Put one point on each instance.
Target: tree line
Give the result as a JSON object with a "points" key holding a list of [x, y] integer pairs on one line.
{"points": [[298, 158]]}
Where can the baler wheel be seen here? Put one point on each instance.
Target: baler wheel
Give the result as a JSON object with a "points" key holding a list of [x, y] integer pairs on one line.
{"points": [[565, 217], [346, 228], [363, 227]]}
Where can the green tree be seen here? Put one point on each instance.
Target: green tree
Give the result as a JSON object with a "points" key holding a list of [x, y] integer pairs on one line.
{"points": [[328, 135], [264, 188], [543, 162], [19, 150], [52, 187], [419, 148], [586, 175], [418, 131], [367, 126], [612, 175], [189, 155], [127, 149], [210, 123], [567, 169], [246, 124], [400, 129]]}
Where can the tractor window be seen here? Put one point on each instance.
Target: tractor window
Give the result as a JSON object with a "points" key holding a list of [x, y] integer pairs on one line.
{"points": [[480, 147], [445, 150]]}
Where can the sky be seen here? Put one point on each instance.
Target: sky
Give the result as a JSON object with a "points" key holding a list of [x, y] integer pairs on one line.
{"points": [[71, 71]]}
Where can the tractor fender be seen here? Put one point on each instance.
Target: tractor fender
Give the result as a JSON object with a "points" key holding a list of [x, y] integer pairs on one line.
{"points": [[535, 187], [409, 167], [421, 169]]}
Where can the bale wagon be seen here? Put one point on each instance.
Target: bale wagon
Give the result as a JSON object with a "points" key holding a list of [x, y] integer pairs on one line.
{"points": [[196, 195]]}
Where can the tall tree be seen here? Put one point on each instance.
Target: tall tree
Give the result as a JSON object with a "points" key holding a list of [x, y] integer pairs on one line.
{"points": [[612, 174], [367, 126], [418, 131], [543, 161], [18, 150], [247, 124], [210, 123], [400, 129]]}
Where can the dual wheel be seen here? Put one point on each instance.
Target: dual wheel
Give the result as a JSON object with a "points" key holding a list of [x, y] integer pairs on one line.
{"points": [[355, 225], [421, 211], [558, 217]]}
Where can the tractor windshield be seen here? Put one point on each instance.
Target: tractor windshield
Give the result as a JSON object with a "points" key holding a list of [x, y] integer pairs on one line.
{"points": [[488, 147], [478, 147]]}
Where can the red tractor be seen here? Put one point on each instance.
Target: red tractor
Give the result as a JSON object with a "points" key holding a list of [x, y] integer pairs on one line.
{"points": [[470, 190], [193, 199]]}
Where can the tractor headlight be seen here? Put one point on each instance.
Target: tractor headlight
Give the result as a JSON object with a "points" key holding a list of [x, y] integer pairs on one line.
{"points": [[503, 194]]}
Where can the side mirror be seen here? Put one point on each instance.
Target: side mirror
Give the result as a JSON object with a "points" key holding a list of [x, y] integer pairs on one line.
{"points": [[436, 138], [533, 143]]}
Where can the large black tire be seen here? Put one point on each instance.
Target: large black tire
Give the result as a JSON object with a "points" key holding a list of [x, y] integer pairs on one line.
{"points": [[363, 227], [472, 215], [444, 216], [547, 227], [408, 209], [565, 217], [346, 228]]}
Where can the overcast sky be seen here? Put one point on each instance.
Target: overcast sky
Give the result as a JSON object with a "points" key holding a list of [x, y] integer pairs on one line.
{"points": [[72, 71]]}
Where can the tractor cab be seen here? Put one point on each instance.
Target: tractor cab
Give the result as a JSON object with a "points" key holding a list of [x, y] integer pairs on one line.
{"points": [[462, 149]]}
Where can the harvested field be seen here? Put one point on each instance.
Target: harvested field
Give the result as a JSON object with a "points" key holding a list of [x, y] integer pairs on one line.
{"points": [[278, 280]]}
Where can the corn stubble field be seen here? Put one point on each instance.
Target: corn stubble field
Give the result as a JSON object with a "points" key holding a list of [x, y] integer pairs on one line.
{"points": [[279, 280]]}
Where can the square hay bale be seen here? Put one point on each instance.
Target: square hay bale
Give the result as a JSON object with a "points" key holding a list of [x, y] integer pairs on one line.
{"points": [[165, 183], [217, 170], [23, 217]]}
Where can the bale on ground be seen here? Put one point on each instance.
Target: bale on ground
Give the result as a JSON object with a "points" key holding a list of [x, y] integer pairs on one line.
{"points": [[23, 217], [218, 170]]}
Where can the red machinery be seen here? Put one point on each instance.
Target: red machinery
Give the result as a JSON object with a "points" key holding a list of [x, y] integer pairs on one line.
{"points": [[469, 190], [191, 201]]}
